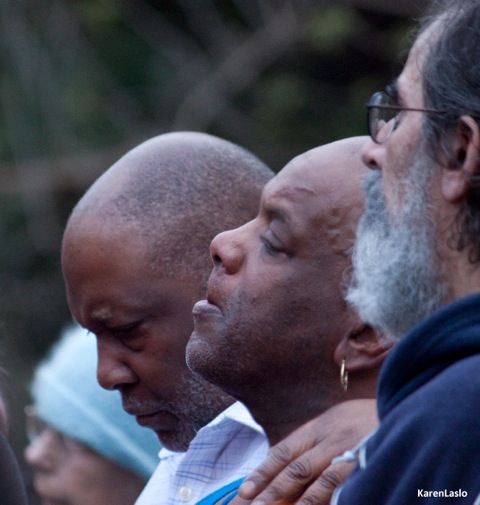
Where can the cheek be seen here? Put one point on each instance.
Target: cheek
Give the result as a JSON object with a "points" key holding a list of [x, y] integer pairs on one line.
{"points": [[163, 356], [167, 337], [393, 171], [160, 367], [314, 294], [265, 295], [256, 299], [161, 347], [66, 483], [401, 152], [86, 478]]}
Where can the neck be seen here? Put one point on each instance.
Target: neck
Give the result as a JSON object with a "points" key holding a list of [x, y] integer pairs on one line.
{"points": [[282, 409], [278, 431], [462, 276], [281, 413]]}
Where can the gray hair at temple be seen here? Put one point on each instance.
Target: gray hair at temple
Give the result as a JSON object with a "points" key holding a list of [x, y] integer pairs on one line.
{"points": [[451, 84]]}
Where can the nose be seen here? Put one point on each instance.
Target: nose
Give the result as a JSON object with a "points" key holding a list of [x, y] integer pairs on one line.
{"points": [[372, 154], [227, 251], [39, 453], [112, 369]]}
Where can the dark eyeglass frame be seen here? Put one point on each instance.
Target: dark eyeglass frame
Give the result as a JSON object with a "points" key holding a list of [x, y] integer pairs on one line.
{"points": [[377, 101], [35, 426]]}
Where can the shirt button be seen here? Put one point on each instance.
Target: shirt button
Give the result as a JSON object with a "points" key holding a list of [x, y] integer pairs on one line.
{"points": [[185, 493]]}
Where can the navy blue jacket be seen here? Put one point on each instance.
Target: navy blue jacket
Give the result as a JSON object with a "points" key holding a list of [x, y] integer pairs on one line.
{"points": [[427, 447]]}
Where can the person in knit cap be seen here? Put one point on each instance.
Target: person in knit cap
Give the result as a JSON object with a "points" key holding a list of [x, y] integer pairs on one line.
{"points": [[84, 448]]}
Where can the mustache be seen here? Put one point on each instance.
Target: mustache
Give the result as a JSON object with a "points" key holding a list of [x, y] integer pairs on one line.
{"points": [[129, 402]]}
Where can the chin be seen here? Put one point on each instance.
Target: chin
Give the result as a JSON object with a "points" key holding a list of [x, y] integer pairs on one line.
{"points": [[173, 442]]}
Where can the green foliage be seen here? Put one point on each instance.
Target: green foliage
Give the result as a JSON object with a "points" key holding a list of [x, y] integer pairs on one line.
{"points": [[331, 27]]}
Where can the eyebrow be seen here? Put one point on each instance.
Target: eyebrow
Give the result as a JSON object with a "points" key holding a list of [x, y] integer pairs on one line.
{"points": [[275, 213]]}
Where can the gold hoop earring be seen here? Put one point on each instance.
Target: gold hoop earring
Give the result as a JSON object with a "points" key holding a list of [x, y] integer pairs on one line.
{"points": [[344, 374]]}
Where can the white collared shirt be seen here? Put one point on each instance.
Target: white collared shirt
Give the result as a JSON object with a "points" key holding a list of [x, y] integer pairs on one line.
{"points": [[226, 449]]}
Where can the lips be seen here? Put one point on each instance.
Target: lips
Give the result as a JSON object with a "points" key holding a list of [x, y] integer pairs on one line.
{"points": [[208, 321], [205, 309], [158, 418], [136, 411], [158, 421], [145, 419]]}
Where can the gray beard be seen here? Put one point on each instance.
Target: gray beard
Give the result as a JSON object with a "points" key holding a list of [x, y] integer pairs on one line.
{"points": [[197, 403], [396, 278]]}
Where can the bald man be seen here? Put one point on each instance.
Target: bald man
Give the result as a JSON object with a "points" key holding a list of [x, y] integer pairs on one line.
{"points": [[135, 259], [274, 330]]}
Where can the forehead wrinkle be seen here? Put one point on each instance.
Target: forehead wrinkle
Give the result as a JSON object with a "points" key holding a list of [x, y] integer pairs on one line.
{"points": [[278, 191], [280, 210], [337, 215], [268, 204]]}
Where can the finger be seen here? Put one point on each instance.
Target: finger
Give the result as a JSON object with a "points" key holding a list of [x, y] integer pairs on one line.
{"points": [[298, 475], [278, 459], [314, 445], [320, 491]]}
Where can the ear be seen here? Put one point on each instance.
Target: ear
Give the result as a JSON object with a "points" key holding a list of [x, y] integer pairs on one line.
{"points": [[457, 176], [362, 348]]}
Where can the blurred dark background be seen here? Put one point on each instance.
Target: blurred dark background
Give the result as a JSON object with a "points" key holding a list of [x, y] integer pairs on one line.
{"points": [[82, 82]]}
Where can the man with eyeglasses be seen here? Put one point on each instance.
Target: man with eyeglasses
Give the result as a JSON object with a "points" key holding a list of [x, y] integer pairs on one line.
{"points": [[417, 271]]}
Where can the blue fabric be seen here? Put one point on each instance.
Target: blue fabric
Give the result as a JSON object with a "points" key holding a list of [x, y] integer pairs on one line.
{"points": [[227, 493], [229, 498], [429, 405]]}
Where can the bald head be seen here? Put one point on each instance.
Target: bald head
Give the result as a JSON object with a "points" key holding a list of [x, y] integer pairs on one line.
{"points": [[135, 258], [176, 192], [275, 296], [333, 173]]}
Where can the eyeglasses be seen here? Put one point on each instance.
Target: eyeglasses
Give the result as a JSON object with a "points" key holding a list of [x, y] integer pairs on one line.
{"points": [[382, 116], [36, 427]]}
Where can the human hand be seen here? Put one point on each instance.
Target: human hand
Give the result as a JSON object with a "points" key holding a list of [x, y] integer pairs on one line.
{"points": [[298, 469]]}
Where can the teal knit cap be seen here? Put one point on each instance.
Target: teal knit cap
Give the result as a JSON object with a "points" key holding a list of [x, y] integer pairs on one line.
{"points": [[67, 397]]}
